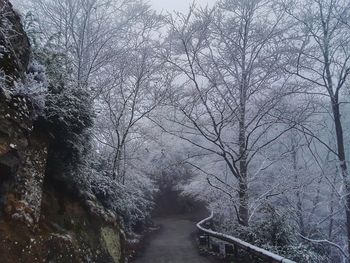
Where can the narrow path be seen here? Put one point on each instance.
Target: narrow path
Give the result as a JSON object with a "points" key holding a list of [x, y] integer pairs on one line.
{"points": [[173, 244]]}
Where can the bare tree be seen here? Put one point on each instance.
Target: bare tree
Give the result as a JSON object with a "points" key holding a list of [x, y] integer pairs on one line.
{"points": [[84, 33], [134, 86], [231, 98], [322, 59]]}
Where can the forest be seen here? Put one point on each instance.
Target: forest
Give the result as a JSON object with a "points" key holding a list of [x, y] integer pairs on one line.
{"points": [[242, 106]]}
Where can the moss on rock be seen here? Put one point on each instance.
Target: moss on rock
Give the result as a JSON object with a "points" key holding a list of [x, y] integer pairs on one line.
{"points": [[112, 240]]}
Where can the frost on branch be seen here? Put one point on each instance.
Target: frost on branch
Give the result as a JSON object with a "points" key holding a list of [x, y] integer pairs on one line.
{"points": [[34, 86]]}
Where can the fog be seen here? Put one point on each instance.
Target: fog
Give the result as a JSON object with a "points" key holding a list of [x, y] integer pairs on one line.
{"points": [[178, 5], [239, 109]]}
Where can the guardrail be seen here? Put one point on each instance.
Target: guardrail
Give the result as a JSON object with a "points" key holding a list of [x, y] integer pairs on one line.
{"points": [[258, 252]]}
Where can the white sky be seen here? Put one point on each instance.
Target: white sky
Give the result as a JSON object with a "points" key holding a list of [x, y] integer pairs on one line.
{"points": [[164, 5], [177, 5]]}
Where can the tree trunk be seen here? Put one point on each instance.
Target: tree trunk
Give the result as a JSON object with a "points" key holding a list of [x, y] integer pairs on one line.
{"points": [[342, 162], [299, 204], [243, 166], [117, 164], [243, 203]]}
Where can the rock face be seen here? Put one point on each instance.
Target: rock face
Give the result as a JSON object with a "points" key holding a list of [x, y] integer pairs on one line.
{"points": [[23, 158], [41, 220], [67, 232], [14, 44], [23, 144]]}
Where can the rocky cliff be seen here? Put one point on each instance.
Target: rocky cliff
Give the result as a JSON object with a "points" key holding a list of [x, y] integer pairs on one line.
{"points": [[14, 44], [41, 219]]}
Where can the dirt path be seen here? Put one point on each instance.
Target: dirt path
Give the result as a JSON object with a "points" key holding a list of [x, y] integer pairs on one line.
{"points": [[173, 243]]}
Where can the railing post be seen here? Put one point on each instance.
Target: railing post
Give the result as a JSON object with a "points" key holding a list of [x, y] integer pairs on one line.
{"points": [[208, 241], [229, 250], [235, 251]]}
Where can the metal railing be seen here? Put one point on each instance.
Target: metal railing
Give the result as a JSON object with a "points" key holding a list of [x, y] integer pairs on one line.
{"points": [[258, 252]]}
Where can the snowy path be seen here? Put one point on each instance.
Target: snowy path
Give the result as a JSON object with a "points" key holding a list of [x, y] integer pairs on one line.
{"points": [[173, 244]]}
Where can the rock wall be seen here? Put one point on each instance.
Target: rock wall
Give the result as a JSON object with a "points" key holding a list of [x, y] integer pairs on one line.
{"points": [[14, 44], [23, 144], [41, 219], [67, 232], [23, 155]]}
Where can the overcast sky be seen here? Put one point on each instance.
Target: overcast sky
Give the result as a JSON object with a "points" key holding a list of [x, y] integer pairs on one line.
{"points": [[164, 5], [177, 5]]}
